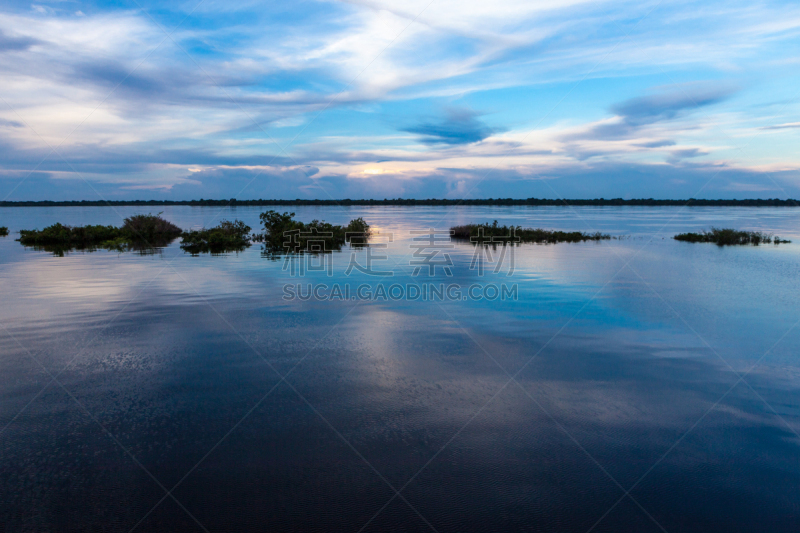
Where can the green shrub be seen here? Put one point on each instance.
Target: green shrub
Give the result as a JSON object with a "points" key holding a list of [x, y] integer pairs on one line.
{"points": [[728, 236], [284, 234], [494, 233], [226, 237], [69, 236], [149, 228], [3, 231], [139, 232]]}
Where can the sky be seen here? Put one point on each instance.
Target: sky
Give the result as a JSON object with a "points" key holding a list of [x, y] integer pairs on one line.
{"points": [[414, 99]]}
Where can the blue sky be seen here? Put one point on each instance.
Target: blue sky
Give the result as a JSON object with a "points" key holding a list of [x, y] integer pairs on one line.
{"points": [[372, 99]]}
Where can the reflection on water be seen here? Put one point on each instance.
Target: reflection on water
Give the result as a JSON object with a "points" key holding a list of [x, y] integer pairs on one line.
{"points": [[139, 248], [626, 356]]}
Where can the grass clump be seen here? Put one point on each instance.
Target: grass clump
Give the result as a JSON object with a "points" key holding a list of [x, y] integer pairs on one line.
{"points": [[226, 237], [284, 234], [494, 233], [728, 236], [139, 232], [3, 231]]}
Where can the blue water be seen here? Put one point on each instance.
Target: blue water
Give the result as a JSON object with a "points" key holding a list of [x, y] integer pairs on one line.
{"points": [[635, 384]]}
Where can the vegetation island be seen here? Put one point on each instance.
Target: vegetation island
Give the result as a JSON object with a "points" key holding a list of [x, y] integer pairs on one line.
{"points": [[493, 233], [284, 234], [728, 236], [3, 231], [139, 232], [226, 237], [145, 233]]}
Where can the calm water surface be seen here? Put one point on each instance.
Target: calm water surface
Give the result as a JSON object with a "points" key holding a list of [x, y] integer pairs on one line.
{"points": [[638, 384]]}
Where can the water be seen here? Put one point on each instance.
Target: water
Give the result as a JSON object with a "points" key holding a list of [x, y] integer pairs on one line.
{"points": [[177, 393]]}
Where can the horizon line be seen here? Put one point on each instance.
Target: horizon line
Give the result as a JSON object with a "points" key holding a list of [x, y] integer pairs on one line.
{"points": [[696, 202]]}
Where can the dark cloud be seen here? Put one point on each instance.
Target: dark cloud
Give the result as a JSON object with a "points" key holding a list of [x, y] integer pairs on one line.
{"points": [[789, 126], [687, 153], [11, 123], [657, 144], [636, 113], [137, 88], [98, 158], [576, 151], [600, 179], [618, 130], [637, 180], [115, 75], [341, 153], [247, 183], [667, 106], [460, 127], [11, 44]]}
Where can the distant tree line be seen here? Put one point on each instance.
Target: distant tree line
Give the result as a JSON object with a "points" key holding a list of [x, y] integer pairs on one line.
{"points": [[769, 202]]}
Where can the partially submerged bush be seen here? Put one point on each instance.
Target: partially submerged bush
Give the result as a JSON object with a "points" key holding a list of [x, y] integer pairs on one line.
{"points": [[357, 231], [68, 236], [139, 232], [226, 237], [3, 231], [727, 236], [494, 233], [285, 234], [149, 228]]}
